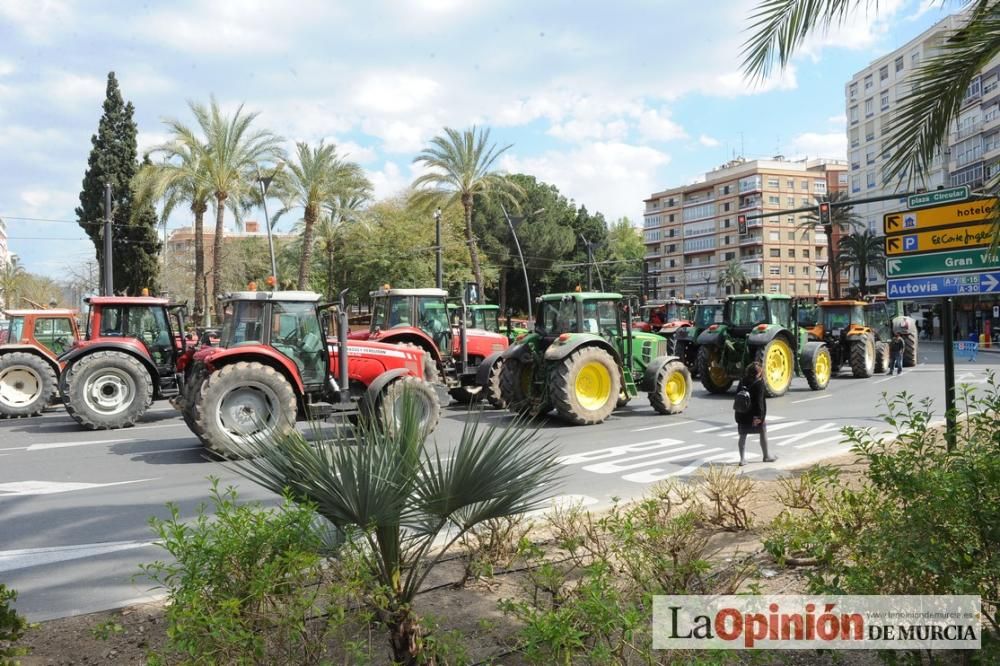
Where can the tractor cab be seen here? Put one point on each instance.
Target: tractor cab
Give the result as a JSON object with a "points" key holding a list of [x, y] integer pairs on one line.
{"points": [[55, 331], [567, 314], [422, 309], [744, 313], [838, 317], [671, 312], [151, 325], [485, 317]]}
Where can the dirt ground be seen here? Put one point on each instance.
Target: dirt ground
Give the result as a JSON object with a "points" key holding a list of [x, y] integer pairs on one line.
{"points": [[125, 636]]}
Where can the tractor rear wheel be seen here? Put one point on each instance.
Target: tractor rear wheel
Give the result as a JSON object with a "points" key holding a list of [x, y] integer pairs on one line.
{"points": [[776, 357], [818, 376], [909, 351], [107, 390], [187, 401], [585, 386], [516, 379], [881, 357], [713, 376], [494, 394], [393, 403], [27, 384], [243, 403], [863, 356], [671, 388]]}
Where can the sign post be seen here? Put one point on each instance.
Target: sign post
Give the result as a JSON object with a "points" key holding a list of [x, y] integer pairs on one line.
{"points": [[949, 374]]}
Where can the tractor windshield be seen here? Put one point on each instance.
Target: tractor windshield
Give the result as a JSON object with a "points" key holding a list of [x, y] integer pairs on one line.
{"points": [[677, 311], [242, 323], [601, 318], [836, 319], [557, 317], [295, 332], [748, 312], [706, 315], [487, 319], [432, 315], [15, 330], [807, 315], [54, 333]]}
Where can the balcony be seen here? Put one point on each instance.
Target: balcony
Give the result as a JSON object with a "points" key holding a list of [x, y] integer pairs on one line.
{"points": [[964, 132], [820, 239], [751, 240], [991, 120], [754, 272]]}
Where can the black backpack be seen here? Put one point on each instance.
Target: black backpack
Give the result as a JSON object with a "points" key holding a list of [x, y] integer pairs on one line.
{"points": [[741, 404]]}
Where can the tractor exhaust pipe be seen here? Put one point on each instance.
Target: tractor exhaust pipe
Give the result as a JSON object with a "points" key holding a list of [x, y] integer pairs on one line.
{"points": [[345, 380], [462, 338]]}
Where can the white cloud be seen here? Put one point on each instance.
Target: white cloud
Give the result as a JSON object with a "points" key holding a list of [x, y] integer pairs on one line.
{"points": [[72, 91], [838, 121], [391, 93], [39, 20], [402, 136], [735, 84], [7, 68], [707, 141], [147, 140], [656, 125], [356, 152], [391, 180], [583, 130], [44, 202], [811, 144], [610, 177]]}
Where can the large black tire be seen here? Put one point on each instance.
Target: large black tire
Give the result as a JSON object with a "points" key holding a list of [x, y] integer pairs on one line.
{"points": [[818, 375], [863, 357], [391, 402], [515, 387], [494, 394], [881, 357], [27, 384], [107, 390], [909, 351], [243, 403], [187, 401], [671, 388], [588, 369], [778, 360], [713, 376]]}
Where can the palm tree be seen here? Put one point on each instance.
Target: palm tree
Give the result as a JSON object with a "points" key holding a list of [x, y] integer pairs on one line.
{"points": [[461, 166], [314, 183], [13, 280], [178, 179], [228, 159], [733, 276], [919, 129], [396, 497], [328, 234], [862, 251], [842, 219]]}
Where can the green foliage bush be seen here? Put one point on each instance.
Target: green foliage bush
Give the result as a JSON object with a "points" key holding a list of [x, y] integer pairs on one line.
{"points": [[12, 627]]}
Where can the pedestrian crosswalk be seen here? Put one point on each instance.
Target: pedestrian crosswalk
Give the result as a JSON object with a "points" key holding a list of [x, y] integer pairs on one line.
{"points": [[651, 460]]}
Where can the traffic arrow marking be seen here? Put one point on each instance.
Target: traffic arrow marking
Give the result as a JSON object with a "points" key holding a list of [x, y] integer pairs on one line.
{"points": [[893, 244], [989, 282], [894, 265], [893, 222]]}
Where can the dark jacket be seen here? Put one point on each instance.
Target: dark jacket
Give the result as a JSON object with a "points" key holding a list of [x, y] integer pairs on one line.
{"points": [[758, 403], [896, 346]]}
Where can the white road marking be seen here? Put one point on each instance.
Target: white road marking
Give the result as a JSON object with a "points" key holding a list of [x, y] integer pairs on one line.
{"points": [[889, 378], [819, 397], [733, 434], [658, 474], [785, 440], [14, 448], [615, 451], [817, 442], [63, 445], [17, 488], [665, 425], [620, 466], [33, 557], [712, 429]]}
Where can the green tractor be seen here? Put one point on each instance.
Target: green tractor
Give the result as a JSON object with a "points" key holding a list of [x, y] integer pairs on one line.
{"points": [[486, 317], [704, 314], [763, 328], [584, 360]]}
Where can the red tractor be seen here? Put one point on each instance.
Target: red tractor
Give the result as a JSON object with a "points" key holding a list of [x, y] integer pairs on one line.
{"points": [[465, 360], [133, 354], [274, 364], [29, 358]]}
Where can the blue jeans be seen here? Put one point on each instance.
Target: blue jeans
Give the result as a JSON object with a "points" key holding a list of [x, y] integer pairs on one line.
{"points": [[896, 363]]}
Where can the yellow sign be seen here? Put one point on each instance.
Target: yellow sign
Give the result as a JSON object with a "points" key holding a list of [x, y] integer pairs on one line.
{"points": [[974, 235], [940, 216]]}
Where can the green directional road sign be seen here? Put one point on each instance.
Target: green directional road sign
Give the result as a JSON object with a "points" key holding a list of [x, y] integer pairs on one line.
{"points": [[937, 197], [956, 261]]}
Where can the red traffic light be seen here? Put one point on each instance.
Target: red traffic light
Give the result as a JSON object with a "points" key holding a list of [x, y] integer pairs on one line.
{"points": [[741, 223], [824, 213]]}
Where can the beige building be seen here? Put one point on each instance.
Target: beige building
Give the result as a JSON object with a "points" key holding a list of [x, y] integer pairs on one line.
{"points": [[180, 243], [691, 231]]}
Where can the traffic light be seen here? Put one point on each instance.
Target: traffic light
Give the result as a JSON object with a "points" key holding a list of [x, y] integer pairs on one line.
{"points": [[824, 214], [741, 222]]}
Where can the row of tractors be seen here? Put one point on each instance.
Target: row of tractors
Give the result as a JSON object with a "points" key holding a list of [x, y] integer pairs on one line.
{"points": [[281, 357]]}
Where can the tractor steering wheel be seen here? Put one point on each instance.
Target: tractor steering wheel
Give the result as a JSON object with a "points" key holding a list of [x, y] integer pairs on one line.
{"points": [[288, 339]]}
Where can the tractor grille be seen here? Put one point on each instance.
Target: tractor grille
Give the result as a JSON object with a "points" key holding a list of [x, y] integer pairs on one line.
{"points": [[651, 349]]}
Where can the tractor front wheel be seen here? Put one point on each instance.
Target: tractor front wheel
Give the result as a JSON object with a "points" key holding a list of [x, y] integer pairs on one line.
{"points": [[863, 357], [585, 386], [909, 351], [409, 393], [107, 390], [713, 375], [516, 380], [27, 384], [194, 389], [881, 357], [776, 357], [818, 376], [494, 393], [244, 403], [671, 388]]}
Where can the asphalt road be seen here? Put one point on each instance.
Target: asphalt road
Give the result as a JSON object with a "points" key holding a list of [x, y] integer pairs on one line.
{"points": [[74, 505]]}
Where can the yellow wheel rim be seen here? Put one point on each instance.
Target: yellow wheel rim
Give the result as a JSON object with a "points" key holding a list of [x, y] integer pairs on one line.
{"points": [[593, 386], [675, 388], [778, 365], [822, 368], [716, 371]]}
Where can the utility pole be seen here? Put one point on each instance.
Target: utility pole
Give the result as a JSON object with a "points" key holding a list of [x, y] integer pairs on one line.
{"points": [[109, 274], [438, 250], [590, 264]]}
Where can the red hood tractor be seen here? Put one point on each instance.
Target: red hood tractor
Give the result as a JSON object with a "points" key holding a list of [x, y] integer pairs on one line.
{"points": [[275, 364], [29, 358], [466, 360], [133, 353]]}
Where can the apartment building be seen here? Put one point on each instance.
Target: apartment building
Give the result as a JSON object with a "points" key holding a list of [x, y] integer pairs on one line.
{"points": [[691, 231], [4, 249], [180, 243]]}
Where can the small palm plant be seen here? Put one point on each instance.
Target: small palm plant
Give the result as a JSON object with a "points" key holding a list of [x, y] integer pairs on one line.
{"points": [[404, 504]]}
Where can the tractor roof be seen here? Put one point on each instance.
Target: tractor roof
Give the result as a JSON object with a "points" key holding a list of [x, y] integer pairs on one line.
{"points": [[440, 293], [669, 301], [841, 303], [474, 306], [757, 297], [584, 296], [709, 301], [291, 296], [127, 300], [41, 313]]}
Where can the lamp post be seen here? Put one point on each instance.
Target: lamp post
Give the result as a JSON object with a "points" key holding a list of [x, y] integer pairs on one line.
{"points": [[517, 243], [438, 252], [265, 183]]}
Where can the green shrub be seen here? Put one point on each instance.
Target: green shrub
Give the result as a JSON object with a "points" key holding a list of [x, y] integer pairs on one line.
{"points": [[12, 627]]}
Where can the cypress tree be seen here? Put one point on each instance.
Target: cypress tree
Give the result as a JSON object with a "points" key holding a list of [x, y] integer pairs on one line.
{"points": [[113, 160]]}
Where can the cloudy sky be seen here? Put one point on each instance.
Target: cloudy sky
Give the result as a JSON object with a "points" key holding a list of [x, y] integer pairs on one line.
{"points": [[609, 101]]}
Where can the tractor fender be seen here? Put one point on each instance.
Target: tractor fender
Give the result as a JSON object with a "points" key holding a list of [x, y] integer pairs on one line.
{"points": [[558, 351], [34, 351], [708, 337], [374, 389], [259, 354], [410, 335], [483, 370], [75, 354], [649, 374], [858, 335], [517, 352], [761, 338], [807, 356]]}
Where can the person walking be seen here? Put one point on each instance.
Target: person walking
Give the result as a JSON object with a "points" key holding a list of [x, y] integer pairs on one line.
{"points": [[896, 354], [753, 419]]}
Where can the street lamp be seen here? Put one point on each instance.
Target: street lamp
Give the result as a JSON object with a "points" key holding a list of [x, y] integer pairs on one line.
{"points": [[265, 183], [524, 267], [439, 257]]}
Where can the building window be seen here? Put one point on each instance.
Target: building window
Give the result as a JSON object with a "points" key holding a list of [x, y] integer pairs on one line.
{"points": [[791, 218], [725, 189], [725, 223], [854, 114], [774, 236], [791, 237], [749, 184], [791, 270], [776, 253], [805, 253], [790, 202], [868, 82], [819, 186], [805, 237], [791, 253], [790, 184], [774, 199], [774, 289], [804, 185], [725, 240], [883, 73], [914, 60], [899, 64], [805, 270], [870, 176], [725, 207], [791, 289], [774, 270], [885, 101], [773, 182], [855, 183], [870, 156], [869, 107], [730, 255], [670, 217], [853, 90]]}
